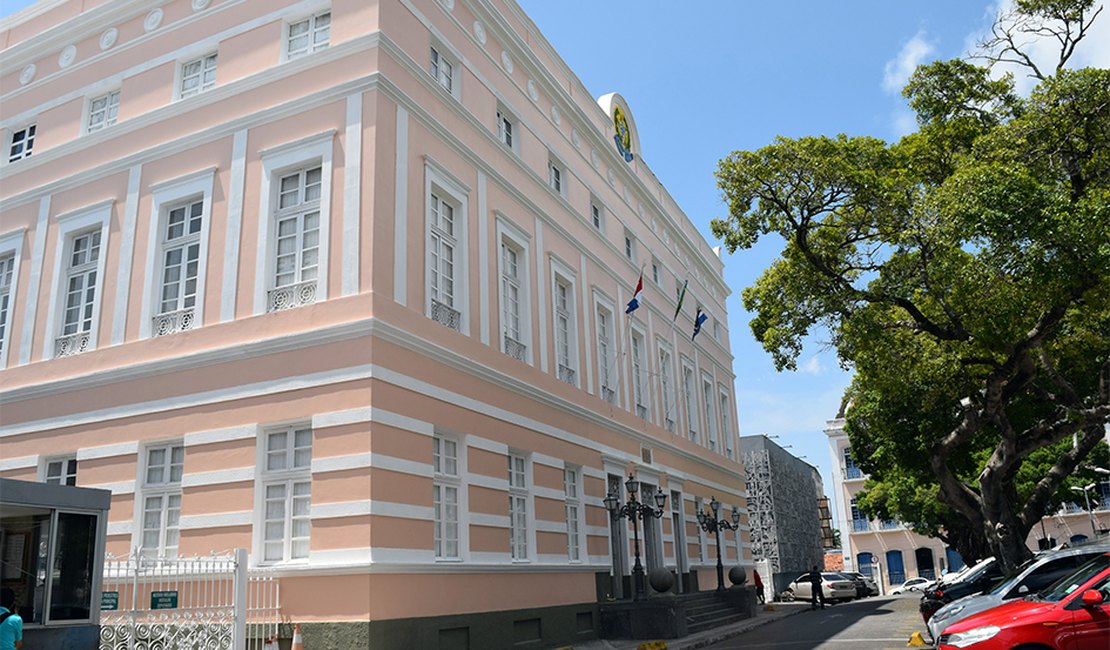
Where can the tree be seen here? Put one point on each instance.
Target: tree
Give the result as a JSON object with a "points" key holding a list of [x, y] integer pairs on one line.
{"points": [[963, 273]]}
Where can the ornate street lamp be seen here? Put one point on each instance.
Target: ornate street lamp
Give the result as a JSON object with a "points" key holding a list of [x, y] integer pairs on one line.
{"points": [[635, 510], [711, 524]]}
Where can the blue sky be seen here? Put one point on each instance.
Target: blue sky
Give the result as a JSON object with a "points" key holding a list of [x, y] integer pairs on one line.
{"points": [[722, 75]]}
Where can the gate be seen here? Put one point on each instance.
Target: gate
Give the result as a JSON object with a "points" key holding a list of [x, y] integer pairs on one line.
{"points": [[191, 603]]}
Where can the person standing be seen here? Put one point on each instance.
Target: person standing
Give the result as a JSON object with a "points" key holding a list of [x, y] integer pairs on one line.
{"points": [[11, 625], [817, 595], [760, 597]]}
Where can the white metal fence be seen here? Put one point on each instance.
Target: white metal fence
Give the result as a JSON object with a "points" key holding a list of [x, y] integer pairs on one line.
{"points": [[209, 602]]}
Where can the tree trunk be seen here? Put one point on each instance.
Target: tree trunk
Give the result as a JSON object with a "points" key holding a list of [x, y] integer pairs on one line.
{"points": [[1002, 523]]}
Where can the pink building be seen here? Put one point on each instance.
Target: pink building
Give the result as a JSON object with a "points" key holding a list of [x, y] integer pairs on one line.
{"points": [[344, 284]]}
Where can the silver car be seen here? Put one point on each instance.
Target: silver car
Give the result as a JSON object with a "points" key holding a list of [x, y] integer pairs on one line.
{"points": [[1036, 574], [834, 587]]}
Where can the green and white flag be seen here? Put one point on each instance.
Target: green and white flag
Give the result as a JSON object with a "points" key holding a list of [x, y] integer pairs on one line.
{"points": [[681, 297]]}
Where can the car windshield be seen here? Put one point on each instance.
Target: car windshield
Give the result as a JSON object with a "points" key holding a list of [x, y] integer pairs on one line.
{"points": [[1069, 583], [1003, 584]]}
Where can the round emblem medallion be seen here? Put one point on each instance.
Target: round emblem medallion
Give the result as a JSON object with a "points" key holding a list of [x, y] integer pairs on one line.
{"points": [[108, 38], [66, 58], [153, 20], [27, 74]]}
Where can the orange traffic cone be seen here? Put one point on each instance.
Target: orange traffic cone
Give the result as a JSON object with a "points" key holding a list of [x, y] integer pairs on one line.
{"points": [[298, 642]]}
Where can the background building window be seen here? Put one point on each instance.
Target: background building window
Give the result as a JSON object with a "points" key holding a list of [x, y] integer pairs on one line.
{"points": [[198, 75], [605, 355], [103, 111], [180, 265], [308, 35], [572, 490], [639, 393], [596, 215], [297, 248], [61, 471], [445, 497], [23, 141], [565, 332], [442, 245], [518, 507], [505, 129], [7, 271], [666, 389], [555, 176], [442, 70], [162, 500]]}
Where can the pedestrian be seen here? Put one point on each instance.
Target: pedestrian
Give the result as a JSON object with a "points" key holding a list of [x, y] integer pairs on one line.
{"points": [[816, 596], [11, 625], [758, 587]]}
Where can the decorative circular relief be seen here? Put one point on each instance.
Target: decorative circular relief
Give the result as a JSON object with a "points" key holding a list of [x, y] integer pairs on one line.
{"points": [[506, 62], [480, 32], [201, 5], [66, 58], [108, 38], [593, 157], [575, 138], [153, 20], [27, 74], [532, 92], [556, 117]]}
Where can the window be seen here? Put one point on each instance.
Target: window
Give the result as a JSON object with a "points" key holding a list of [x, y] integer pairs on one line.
{"points": [[286, 492], [511, 296], [726, 429], [566, 331], [308, 35], [505, 129], [442, 245], [518, 507], [61, 471], [629, 246], [161, 513], [710, 424], [23, 141], [688, 400], [573, 491], [716, 329], [597, 215], [198, 75], [102, 111], [80, 293], [445, 497], [297, 247], [605, 354], [180, 267], [7, 272], [666, 389], [442, 70], [639, 394], [555, 176], [851, 470], [656, 275]]}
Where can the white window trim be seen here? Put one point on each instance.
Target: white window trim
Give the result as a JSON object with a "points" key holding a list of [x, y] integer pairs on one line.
{"points": [[464, 499], [635, 333], [560, 272], [261, 478], [437, 178], [706, 393], [579, 503], [86, 109], [615, 378], [511, 116], [44, 461], [11, 244], [528, 492], [9, 135], [164, 196], [142, 490], [179, 73], [453, 57], [306, 12], [553, 162], [601, 210], [509, 232], [629, 248], [285, 157], [69, 224], [724, 400], [667, 394]]}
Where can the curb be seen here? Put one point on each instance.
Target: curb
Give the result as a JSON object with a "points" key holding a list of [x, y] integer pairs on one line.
{"points": [[740, 628]]}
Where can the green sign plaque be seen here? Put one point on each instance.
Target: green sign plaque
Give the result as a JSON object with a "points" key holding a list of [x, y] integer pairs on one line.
{"points": [[163, 600], [109, 601]]}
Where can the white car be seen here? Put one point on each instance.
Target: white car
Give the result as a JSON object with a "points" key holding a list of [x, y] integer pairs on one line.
{"points": [[913, 584], [872, 586], [834, 587]]}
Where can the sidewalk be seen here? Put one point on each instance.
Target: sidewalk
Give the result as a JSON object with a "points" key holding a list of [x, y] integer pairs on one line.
{"points": [[708, 637]]}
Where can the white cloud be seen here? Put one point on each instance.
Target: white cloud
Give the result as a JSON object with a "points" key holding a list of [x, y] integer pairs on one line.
{"points": [[903, 122], [812, 366], [898, 70]]}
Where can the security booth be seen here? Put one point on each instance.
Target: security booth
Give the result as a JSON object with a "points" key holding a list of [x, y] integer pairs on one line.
{"points": [[52, 555]]}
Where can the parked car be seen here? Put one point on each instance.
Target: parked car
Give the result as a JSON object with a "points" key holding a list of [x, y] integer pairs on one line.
{"points": [[1036, 575], [913, 584], [865, 585], [982, 578], [834, 586], [1074, 613]]}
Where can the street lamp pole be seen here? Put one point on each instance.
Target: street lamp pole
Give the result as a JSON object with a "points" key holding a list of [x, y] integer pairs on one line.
{"points": [[635, 510], [1087, 500], [711, 524]]}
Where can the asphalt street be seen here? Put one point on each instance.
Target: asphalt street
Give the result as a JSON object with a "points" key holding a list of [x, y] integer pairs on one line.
{"points": [[877, 623]]}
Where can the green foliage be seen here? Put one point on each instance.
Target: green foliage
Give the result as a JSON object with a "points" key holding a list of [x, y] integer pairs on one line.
{"points": [[963, 273]]}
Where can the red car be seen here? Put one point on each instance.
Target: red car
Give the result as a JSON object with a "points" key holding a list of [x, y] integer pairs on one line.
{"points": [[1073, 614]]}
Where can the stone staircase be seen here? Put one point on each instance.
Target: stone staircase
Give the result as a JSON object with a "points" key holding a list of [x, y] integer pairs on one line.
{"points": [[706, 610]]}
